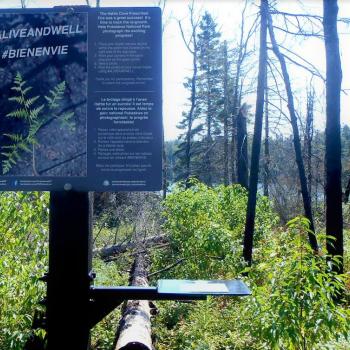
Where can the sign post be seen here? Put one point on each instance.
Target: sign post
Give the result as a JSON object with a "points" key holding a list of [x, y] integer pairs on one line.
{"points": [[68, 280]]}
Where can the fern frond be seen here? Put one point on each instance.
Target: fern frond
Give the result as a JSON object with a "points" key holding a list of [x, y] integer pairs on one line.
{"points": [[18, 113], [26, 90], [14, 137], [14, 154], [55, 95], [29, 110], [19, 99], [34, 128], [34, 113], [16, 88], [66, 120], [24, 147], [18, 78], [31, 101], [6, 166]]}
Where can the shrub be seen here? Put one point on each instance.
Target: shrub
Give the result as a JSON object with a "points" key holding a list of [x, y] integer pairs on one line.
{"points": [[23, 259]]}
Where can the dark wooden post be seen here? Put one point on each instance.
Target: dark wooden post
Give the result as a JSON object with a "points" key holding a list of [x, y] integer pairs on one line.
{"points": [[69, 270]]}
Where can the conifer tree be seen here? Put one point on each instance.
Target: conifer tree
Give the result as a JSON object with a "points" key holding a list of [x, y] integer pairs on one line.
{"points": [[210, 67]]}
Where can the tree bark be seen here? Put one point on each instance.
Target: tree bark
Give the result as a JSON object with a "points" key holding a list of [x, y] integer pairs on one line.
{"points": [[296, 137], [266, 145], [254, 166], [347, 192], [108, 252], [309, 133], [242, 147], [192, 47], [334, 214], [164, 168], [134, 331], [209, 139], [236, 97], [226, 115]]}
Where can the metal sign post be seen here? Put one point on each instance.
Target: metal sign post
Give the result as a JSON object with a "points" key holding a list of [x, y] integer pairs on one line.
{"points": [[68, 280]]}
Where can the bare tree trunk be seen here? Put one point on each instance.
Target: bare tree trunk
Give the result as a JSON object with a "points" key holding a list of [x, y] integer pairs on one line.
{"points": [[266, 145], [192, 47], [134, 331], [242, 147], [296, 137], [23, 4], [235, 102], [164, 168], [237, 90], [235, 105], [226, 116], [334, 214], [309, 133], [209, 139], [347, 192], [259, 111]]}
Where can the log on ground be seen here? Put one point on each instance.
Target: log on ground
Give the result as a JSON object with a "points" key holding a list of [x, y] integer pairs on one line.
{"points": [[134, 331]]}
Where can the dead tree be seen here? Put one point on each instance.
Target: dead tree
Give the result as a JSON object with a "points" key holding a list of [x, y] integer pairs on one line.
{"points": [[254, 166], [347, 192], [226, 115], [242, 146], [237, 86], [296, 136], [334, 214], [134, 331], [309, 134], [266, 177], [192, 47], [164, 168], [111, 251]]}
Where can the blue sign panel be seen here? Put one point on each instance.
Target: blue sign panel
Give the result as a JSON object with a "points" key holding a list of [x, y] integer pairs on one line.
{"points": [[81, 101], [203, 287]]}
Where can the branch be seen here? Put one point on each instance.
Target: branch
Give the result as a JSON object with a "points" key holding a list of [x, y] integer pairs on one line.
{"points": [[169, 267], [313, 34], [316, 72], [40, 172]]}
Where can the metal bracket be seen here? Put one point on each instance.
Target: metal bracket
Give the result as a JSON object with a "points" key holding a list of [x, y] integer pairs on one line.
{"points": [[104, 300]]}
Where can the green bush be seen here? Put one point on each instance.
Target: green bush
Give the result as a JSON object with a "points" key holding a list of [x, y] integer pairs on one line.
{"points": [[107, 274], [294, 290], [205, 226], [23, 259], [297, 296]]}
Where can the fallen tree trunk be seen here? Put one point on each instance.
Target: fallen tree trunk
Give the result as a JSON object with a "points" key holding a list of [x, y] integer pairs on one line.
{"points": [[134, 331], [108, 252]]}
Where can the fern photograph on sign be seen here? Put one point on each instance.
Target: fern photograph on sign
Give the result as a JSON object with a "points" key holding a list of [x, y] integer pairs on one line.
{"points": [[43, 71]]}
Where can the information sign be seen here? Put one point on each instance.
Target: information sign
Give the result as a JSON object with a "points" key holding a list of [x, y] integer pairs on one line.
{"points": [[203, 287], [81, 101]]}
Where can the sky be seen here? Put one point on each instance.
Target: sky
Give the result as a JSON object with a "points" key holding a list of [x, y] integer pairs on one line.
{"points": [[177, 60]]}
